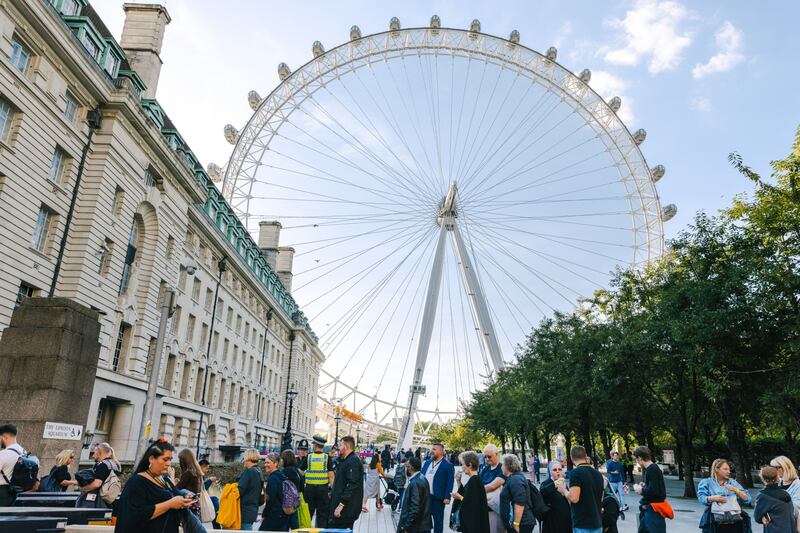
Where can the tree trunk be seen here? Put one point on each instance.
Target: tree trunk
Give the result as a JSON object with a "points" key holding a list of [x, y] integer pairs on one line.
{"points": [[605, 439], [651, 443], [568, 446], [548, 438], [679, 460], [687, 458], [736, 442], [503, 443], [513, 445], [535, 442], [522, 451]]}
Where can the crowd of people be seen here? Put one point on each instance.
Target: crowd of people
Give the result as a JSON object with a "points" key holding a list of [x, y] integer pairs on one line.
{"points": [[486, 492]]}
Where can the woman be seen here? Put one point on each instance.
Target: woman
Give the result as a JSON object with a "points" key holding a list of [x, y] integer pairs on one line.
{"points": [[273, 517], [251, 484], [191, 475], [105, 462], [558, 519], [514, 497], [148, 503], [294, 475], [372, 486], [473, 511], [719, 488], [60, 472], [788, 479]]}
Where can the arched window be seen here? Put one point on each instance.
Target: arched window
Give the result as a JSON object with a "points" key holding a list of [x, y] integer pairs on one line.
{"points": [[130, 254]]}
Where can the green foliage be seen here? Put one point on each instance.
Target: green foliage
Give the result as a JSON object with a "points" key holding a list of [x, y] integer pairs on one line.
{"points": [[459, 434], [700, 347]]}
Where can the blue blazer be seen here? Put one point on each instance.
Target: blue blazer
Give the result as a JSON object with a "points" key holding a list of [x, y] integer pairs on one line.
{"points": [[443, 479]]}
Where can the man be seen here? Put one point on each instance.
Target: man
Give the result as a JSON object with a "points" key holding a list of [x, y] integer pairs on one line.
{"points": [[774, 508], [415, 515], [585, 493], [400, 479], [616, 479], [537, 467], [302, 450], [348, 487], [652, 490], [440, 475], [386, 457], [491, 474], [318, 470], [10, 453]]}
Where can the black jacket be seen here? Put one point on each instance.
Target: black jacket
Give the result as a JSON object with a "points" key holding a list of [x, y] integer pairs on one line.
{"points": [[348, 487], [776, 503], [609, 512], [416, 514]]}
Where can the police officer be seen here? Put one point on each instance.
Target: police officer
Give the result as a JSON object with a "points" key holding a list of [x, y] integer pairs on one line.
{"points": [[318, 469]]}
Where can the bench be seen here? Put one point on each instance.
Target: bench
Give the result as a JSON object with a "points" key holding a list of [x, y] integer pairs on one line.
{"points": [[28, 524], [73, 515], [46, 499]]}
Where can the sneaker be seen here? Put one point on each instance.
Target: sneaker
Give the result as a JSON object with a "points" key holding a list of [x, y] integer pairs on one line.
{"points": [[624, 508]]}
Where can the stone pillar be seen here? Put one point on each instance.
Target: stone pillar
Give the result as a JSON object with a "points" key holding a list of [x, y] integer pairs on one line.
{"points": [[124, 432], [48, 365], [284, 266], [269, 233], [142, 37]]}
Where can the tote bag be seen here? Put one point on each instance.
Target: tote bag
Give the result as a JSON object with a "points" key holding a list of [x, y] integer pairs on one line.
{"points": [[207, 512]]}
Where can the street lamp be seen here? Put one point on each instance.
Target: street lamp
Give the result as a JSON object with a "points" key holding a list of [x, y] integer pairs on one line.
{"points": [[358, 434], [222, 266], [288, 439], [338, 418]]}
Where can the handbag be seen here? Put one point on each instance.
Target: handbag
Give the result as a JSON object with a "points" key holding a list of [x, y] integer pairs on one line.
{"points": [[207, 512], [730, 511]]}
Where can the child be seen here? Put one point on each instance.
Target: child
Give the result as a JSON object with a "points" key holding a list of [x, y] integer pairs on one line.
{"points": [[774, 505]]}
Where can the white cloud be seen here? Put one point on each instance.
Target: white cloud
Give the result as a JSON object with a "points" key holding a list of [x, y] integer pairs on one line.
{"points": [[729, 42], [608, 86], [700, 103], [652, 32]]}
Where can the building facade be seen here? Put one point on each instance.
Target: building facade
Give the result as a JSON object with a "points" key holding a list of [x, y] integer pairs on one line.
{"points": [[74, 103]]}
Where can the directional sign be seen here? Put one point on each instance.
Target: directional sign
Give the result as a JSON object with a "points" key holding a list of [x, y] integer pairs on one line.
{"points": [[57, 430]]}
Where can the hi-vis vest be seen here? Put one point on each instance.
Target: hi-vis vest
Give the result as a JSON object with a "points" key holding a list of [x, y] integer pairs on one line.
{"points": [[317, 473]]}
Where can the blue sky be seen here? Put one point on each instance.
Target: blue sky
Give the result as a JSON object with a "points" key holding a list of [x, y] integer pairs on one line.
{"points": [[703, 78], [649, 50]]}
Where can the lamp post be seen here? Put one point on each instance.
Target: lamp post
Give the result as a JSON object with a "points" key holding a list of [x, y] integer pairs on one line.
{"points": [[358, 433], [261, 373], [338, 418], [222, 266], [288, 439], [167, 310]]}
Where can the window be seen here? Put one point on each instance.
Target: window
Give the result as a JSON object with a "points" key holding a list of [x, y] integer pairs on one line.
{"points": [[190, 328], [7, 113], [41, 232], [229, 319], [20, 54], [69, 7], [120, 346], [70, 107], [238, 325], [149, 178], [176, 318], [105, 257], [130, 257], [182, 276], [111, 63], [58, 165], [89, 44], [209, 299], [203, 337], [24, 291], [116, 203], [196, 286]]}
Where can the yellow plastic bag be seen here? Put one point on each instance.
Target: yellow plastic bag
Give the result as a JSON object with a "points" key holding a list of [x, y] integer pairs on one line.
{"points": [[303, 516]]}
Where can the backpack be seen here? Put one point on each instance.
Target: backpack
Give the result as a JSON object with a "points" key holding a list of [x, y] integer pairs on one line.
{"points": [[112, 486], [290, 499], [536, 502], [48, 483], [229, 515], [25, 474]]}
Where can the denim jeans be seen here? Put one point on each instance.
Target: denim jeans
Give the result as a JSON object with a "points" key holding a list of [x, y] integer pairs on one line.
{"points": [[651, 522], [247, 526], [585, 530], [617, 487]]}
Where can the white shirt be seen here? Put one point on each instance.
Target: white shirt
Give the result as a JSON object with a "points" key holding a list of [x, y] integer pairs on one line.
{"points": [[8, 458], [431, 473]]}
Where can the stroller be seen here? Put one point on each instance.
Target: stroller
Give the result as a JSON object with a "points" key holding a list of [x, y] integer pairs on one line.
{"points": [[392, 496]]}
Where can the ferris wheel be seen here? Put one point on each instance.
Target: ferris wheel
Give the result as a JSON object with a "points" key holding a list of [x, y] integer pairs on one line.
{"points": [[443, 190]]}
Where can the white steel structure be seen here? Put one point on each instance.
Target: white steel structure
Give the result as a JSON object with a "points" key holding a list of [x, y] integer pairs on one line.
{"points": [[373, 152]]}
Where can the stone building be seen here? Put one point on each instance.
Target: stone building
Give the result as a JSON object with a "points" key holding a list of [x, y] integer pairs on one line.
{"points": [[76, 102]]}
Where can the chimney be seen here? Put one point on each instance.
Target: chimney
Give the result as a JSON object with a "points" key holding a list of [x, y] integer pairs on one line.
{"points": [[284, 267], [269, 233], [142, 36]]}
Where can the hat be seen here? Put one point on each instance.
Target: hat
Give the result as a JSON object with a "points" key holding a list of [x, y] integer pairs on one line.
{"points": [[319, 439], [302, 445]]}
